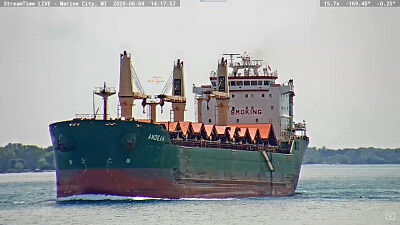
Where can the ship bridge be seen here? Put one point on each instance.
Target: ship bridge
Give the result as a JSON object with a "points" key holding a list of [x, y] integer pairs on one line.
{"points": [[247, 74], [255, 96]]}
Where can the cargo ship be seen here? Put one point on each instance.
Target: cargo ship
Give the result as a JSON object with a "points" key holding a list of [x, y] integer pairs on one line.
{"points": [[243, 143]]}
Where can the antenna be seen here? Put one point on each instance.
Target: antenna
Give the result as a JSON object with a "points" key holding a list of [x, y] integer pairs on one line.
{"points": [[231, 57], [257, 61]]}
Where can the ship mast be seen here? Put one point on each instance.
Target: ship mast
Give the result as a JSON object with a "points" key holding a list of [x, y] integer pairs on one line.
{"points": [[105, 92], [231, 59]]}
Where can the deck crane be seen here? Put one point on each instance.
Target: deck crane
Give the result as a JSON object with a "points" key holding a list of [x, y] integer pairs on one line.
{"points": [[177, 98], [221, 94], [126, 94]]}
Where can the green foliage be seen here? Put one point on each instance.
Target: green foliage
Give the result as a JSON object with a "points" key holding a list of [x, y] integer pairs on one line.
{"points": [[43, 165], [6, 155], [18, 157], [19, 166], [352, 156]]}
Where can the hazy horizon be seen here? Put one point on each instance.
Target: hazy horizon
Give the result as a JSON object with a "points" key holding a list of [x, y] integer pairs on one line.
{"points": [[344, 62]]}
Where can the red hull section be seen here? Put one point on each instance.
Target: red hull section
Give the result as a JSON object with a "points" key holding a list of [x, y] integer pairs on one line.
{"points": [[161, 183]]}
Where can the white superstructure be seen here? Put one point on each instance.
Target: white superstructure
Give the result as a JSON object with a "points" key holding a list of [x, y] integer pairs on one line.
{"points": [[255, 97]]}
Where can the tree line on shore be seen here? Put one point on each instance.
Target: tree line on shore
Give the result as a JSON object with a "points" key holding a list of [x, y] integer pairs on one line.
{"points": [[15, 157], [363, 155]]}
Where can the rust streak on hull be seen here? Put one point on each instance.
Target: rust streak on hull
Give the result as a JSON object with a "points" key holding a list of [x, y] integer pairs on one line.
{"points": [[159, 183]]}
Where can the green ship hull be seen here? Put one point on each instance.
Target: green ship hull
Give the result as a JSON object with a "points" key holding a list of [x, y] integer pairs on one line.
{"points": [[130, 158]]}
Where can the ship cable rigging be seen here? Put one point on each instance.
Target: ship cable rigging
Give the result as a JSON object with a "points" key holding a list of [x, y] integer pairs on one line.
{"points": [[168, 85], [137, 81]]}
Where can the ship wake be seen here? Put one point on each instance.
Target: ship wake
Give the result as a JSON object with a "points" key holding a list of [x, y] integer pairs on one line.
{"points": [[94, 197]]}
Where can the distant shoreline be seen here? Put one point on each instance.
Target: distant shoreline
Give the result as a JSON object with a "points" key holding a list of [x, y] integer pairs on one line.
{"points": [[308, 164], [350, 156], [28, 171]]}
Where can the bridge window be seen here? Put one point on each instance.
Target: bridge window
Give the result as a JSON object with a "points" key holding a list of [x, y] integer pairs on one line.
{"points": [[247, 83], [233, 83], [266, 82], [260, 82], [239, 83], [253, 83]]}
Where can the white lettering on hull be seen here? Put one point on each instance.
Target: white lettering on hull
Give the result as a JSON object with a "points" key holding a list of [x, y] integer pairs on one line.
{"points": [[246, 112], [156, 137]]}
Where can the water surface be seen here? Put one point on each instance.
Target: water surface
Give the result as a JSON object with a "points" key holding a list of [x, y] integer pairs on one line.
{"points": [[327, 194]]}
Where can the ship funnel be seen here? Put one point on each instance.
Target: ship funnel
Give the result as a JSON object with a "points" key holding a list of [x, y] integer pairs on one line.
{"points": [[125, 94], [222, 86], [178, 91]]}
